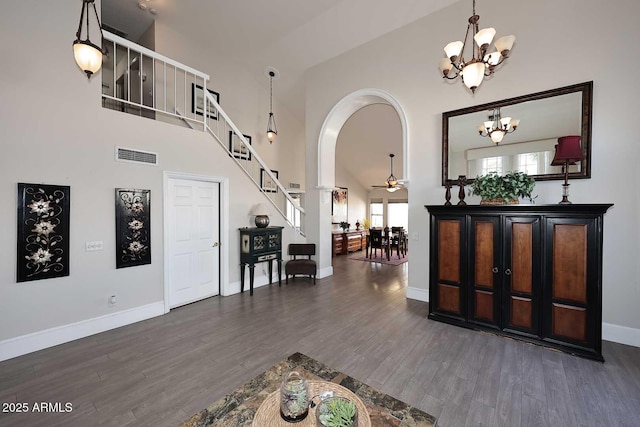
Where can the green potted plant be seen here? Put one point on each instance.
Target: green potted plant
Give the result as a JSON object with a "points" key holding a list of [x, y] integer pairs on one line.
{"points": [[344, 225], [337, 412], [495, 189]]}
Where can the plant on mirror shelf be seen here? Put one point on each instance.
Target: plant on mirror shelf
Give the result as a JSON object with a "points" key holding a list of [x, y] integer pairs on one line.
{"points": [[495, 189], [337, 412]]}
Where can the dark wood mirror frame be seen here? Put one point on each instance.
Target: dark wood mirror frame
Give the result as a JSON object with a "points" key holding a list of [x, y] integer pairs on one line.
{"points": [[587, 103]]}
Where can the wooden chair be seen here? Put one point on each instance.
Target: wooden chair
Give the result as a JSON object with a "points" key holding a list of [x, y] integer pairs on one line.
{"points": [[378, 240], [398, 241], [305, 266]]}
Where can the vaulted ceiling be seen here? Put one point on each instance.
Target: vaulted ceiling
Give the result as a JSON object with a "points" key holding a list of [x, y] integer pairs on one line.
{"points": [[290, 35]]}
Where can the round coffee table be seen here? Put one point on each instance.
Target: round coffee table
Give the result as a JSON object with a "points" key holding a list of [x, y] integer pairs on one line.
{"points": [[268, 413]]}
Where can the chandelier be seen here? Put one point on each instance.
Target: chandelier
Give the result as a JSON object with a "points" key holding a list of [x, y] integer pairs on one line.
{"points": [[482, 62], [272, 129], [497, 126], [88, 55]]}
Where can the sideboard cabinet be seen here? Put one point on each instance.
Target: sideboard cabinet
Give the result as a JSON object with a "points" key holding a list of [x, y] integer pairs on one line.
{"points": [[349, 241], [527, 271]]}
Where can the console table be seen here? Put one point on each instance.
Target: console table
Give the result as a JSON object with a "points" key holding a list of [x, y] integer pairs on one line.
{"points": [[260, 245]]}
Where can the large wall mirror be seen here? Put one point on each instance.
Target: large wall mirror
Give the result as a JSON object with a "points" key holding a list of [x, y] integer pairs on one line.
{"points": [[543, 116]]}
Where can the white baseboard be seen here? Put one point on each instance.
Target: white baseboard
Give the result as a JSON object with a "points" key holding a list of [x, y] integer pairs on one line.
{"points": [[621, 334], [325, 272], [18, 346], [418, 294]]}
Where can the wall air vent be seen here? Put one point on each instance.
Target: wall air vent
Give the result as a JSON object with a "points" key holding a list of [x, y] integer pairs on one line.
{"points": [[130, 155], [294, 185]]}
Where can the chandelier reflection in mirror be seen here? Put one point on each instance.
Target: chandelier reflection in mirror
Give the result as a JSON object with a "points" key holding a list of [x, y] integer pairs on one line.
{"points": [[497, 126], [482, 62]]}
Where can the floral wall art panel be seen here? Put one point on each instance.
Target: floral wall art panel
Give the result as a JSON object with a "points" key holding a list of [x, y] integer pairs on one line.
{"points": [[43, 231], [133, 227]]}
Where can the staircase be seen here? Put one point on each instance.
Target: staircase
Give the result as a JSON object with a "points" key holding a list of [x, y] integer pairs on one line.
{"points": [[137, 80]]}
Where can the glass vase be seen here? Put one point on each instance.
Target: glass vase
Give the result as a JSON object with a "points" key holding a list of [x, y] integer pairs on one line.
{"points": [[294, 398]]}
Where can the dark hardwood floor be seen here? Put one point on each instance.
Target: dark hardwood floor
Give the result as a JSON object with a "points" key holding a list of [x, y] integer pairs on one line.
{"points": [[161, 371]]}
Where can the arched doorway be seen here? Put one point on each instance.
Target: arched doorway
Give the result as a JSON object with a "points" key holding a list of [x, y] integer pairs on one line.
{"points": [[327, 140]]}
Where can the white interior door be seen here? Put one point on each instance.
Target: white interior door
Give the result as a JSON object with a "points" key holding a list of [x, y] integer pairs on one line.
{"points": [[193, 241]]}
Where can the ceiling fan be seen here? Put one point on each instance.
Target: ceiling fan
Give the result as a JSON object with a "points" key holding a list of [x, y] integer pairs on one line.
{"points": [[392, 183]]}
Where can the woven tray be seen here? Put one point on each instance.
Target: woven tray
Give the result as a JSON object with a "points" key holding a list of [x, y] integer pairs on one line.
{"points": [[268, 414]]}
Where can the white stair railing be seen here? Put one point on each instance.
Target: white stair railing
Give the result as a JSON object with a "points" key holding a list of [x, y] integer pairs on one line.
{"points": [[140, 81]]}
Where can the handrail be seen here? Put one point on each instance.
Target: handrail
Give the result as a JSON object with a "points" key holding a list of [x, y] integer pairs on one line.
{"points": [[248, 146], [153, 54]]}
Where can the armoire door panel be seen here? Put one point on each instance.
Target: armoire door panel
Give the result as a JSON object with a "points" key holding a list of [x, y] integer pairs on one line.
{"points": [[570, 262], [484, 306], [449, 298], [522, 257], [569, 321], [449, 250], [484, 253], [521, 310]]}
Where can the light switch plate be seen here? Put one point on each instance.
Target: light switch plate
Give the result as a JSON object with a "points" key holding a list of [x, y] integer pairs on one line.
{"points": [[94, 246]]}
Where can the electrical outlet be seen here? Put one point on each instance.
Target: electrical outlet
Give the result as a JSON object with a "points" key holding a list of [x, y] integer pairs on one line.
{"points": [[112, 300], [94, 246]]}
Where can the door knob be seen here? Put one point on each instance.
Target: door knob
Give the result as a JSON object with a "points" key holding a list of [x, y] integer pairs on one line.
{"points": [[216, 244]]}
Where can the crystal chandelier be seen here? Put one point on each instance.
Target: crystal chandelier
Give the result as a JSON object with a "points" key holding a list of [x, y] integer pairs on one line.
{"points": [[497, 126], [482, 62]]}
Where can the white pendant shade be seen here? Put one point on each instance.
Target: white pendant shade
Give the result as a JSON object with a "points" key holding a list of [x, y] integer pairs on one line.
{"points": [[488, 125], [271, 136], [505, 122], [505, 44], [493, 58], [473, 74], [514, 123], [392, 189], [453, 49], [87, 56], [484, 37], [497, 136], [445, 65]]}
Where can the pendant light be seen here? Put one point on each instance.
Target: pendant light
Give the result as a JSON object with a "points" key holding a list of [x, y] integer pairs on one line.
{"points": [[272, 129], [88, 55], [482, 62]]}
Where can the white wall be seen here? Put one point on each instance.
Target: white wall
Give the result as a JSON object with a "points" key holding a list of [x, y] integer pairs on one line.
{"points": [[54, 131], [405, 64]]}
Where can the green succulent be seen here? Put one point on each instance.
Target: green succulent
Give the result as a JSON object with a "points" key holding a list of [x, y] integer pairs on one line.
{"points": [[337, 412]]}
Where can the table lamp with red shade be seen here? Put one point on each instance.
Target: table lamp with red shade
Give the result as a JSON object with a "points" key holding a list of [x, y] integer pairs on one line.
{"points": [[568, 152]]}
